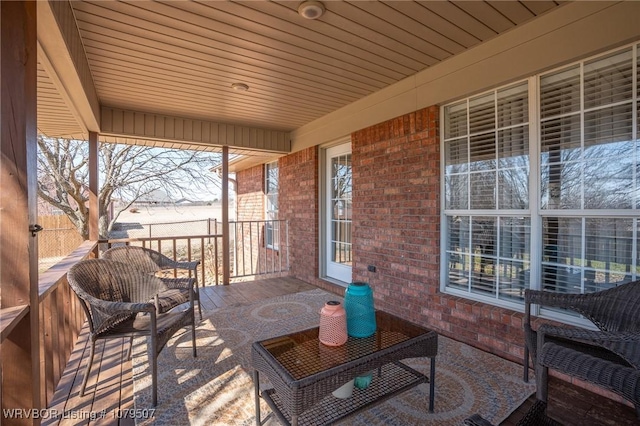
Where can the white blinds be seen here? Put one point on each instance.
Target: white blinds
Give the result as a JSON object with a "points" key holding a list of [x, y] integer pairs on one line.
{"points": [[588, 254], [608, 80], [455, 120], [486, 151], [486, 154], [482, 114], [560, 93], [590, 168], [588, 124], [513, 107], [586, 131]]}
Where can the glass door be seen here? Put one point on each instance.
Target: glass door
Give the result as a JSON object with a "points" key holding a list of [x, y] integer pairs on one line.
{"points": [[338, 195]]}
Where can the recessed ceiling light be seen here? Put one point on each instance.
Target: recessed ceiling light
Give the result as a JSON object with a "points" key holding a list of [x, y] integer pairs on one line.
{"points": [[240, 87], [311, 9]]}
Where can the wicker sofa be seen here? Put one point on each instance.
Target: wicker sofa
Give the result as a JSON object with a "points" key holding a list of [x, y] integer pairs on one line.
{"points": [[608, 357]]}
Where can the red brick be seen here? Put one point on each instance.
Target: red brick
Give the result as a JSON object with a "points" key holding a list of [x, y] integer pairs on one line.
{"points": [[396, 227]]}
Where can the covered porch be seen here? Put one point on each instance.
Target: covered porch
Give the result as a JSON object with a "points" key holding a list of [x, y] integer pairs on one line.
{"points": [[111, 387], [373, 75]]}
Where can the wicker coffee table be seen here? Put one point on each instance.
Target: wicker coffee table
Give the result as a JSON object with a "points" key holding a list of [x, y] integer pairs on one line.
{"points": [[304, 372]]}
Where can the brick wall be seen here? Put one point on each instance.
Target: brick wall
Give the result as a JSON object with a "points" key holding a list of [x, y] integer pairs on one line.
{"points": [[298, 203], [252, 257], [250, 196], [396, 201], [298, 195], [396, 211], [396, 228]]}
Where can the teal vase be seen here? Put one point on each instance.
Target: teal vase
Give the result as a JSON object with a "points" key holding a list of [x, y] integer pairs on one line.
{"points": [[361, 315]]}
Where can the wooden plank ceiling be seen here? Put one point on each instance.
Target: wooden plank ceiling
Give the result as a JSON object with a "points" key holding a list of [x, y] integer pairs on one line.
{"points": [[181, 58]]}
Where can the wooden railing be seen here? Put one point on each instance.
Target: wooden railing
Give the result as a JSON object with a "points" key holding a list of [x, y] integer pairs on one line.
{"points": [[61, 317], [260, 247], [205, 248], [59, 324]]}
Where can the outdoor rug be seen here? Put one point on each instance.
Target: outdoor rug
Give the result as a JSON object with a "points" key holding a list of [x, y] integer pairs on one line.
{"points": [[216, 388]]}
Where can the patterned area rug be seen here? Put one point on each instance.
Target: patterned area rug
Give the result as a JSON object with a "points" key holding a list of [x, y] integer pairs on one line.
{"points": [[216, 388]]}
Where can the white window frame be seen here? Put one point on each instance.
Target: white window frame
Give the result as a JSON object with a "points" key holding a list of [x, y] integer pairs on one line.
{"points": [[535, 211], [495, 212], [271, 228]]}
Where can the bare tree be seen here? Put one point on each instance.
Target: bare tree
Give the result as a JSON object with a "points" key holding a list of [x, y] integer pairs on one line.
{"points": [[127, 173]]}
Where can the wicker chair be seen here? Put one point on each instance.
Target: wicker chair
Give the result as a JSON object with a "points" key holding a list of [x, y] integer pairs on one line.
{"points": [[608, 357], [151, 261], [116, 300], [535, 416]]}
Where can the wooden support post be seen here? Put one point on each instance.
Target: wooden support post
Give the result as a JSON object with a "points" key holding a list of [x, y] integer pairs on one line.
{"points": [[21, 386], [94, 214], [226, 263]]}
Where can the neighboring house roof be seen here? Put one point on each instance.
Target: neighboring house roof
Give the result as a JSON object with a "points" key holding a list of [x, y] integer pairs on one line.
{"points": [[157, 196]]}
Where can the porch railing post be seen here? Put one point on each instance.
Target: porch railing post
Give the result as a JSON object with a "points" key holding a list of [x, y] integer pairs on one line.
{"points": [[287, 245], [226, 265]]}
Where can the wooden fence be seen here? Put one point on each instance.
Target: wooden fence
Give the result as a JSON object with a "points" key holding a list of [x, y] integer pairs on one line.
{"points": [[58, 238]]}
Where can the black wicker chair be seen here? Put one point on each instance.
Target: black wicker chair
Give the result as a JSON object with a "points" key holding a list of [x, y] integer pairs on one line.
{"points": [[608, 357], [535, 416], [151, 261], [116, 300]]}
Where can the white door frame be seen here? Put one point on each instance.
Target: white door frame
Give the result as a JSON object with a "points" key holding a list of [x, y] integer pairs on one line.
{"points": [[336, 271]]}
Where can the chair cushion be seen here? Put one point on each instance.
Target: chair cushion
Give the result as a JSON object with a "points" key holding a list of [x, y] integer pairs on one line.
{"points": [[169, 299], [595, 365]]}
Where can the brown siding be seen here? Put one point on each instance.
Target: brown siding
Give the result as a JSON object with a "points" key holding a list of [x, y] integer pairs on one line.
{"points": [[135, 124]]}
